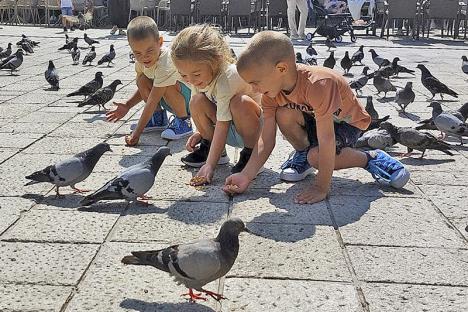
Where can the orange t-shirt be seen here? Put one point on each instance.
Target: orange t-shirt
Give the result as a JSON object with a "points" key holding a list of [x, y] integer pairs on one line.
{"points": [[320, 91]]}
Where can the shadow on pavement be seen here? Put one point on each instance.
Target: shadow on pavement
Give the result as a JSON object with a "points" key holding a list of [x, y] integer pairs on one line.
{"points": [[143, 306]]}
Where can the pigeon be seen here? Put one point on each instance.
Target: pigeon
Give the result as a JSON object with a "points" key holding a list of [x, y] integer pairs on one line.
{"points": [[75, 55], [14, 61], [346, 63], [311, 51], [197, 263], [89, 41], [90, 87], [400, 69], [375, 139], [131, 56], [428, 124], [132, 183], [52, 77], [358, 56], [299, 58], [330, 61], [464, 64], [375, 120], [31, 42], [67, 39], [416, 140], [26, 47], [101, 96], [70, 171], [361, 81], [382, 84], [379, 61], [108, 57], [387, 71], [405, 96], [6, 53], [90, 56], [70, 45], [447, 123], [432, 84], [329, 44]]}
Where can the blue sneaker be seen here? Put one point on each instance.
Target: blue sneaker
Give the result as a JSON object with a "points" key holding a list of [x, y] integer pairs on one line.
{"points": [[177, 129], [158, 121], [386, 170], [296, 168]]}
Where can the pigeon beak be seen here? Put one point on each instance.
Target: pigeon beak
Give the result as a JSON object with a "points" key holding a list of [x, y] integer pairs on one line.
{"points": [[110, 150], [247, 230]]}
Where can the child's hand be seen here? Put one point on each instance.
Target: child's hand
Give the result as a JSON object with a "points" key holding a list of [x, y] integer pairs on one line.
{"points": [[236, 183], [206, 171], [118, 113], [312, 194], [193, 141], [132, 139]]}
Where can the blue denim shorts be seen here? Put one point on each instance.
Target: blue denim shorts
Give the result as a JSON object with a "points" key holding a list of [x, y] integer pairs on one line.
{"points": [[67, 11], [186, 93]]}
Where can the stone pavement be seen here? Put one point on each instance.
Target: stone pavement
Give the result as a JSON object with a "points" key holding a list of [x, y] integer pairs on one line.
{"points": [[367, 248]]}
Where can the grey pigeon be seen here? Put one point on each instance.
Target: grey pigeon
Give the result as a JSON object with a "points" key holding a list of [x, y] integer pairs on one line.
{"points": [[361, 81], [70, 45], [299, 58], [416, 140], [233, 54], [90, 87], [375, 139], [108, 57], [432, 84], [330, 44], [52, 76], [14, 62], [6, 52], [379, 61], [382, 84], [358, 56], [375, 120], [346, 63], [387, 71], [447, 123], [89, 40], [405, 96], [311, 51], [90, 56], [397, 68], [132, 183], [131, 57], [101, 96], [428, 124], [30, 41], [330, 61], [70, 171], [75, 55], [464, 66], [26, 47], [197, 263]]}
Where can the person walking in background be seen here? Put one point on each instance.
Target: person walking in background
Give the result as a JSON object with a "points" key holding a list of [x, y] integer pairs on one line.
{"points": [[297, 33]]}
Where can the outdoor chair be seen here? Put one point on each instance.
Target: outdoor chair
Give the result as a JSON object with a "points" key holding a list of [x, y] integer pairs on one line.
{"points": [[51, 6], [7, 8], [401, 10], [163, 7], [236, 10], [446, 11], [210, 10], [180, 9], [277, 10]]}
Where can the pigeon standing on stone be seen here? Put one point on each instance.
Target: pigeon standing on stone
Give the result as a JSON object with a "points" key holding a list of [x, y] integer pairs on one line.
{"points": [[67, 39], [375, 120], [70, 171], [90, 56], [132, 183], [6, 52], [432, 84], [361, 81], [299, 58], [108, 57], [75, 55], [428, 124], [197, 263], [101, 96], [447, 123], [311, 51], [346, 63], [27, 47], [90, 87], [400, 69], [70, 45], [131, 57], [376, 139], [358, 56], [14, 62], [89, 41], [382, 84], [379, 61], [464, 66], [52, 77], [329, 44], [416, 140], [330, 61], [31, 42], [405, 96]]}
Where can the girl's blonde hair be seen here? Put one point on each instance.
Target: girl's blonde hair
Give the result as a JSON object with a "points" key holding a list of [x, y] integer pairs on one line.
{"points": [[202, 43]]}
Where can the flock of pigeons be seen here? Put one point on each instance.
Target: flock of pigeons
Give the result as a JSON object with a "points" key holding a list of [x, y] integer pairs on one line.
{"points": [[381, 133]]}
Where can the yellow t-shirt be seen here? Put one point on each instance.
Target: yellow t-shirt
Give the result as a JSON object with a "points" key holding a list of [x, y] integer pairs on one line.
{"points": [[163, 73], [223, 88]]}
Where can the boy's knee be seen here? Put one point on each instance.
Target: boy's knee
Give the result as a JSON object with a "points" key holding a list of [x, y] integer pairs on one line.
{"points": [[286, 116], [240, 104], [198, 103]]}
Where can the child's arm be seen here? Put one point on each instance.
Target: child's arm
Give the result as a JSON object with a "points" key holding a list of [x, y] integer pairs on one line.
{"points": [[122, 108]]}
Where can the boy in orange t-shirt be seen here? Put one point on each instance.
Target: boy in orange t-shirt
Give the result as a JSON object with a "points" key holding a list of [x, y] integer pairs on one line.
{"points": [[318, 114]]}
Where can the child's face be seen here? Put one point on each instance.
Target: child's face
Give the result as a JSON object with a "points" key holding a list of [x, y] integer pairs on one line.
{"points": [[264, 78], [198, 74], [146, 50]]}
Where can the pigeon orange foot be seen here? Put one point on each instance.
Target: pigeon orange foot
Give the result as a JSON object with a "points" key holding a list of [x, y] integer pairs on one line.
{"points": [[214, 295], [193, 296], [79, 191]]}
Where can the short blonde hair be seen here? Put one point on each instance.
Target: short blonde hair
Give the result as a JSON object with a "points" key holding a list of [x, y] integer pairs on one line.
{"points": [[142, 27], [267, 47], [202, 43]]}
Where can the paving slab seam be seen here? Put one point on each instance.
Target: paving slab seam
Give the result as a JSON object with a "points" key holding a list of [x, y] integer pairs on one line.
{"points": [[406, 246], [16, 240], [415, 283], [280, 278], [24, 283]]}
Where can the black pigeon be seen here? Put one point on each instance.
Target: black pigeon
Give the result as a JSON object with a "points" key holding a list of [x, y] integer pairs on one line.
{"points": [[101, 96], [375, 120], [329, 44], [67, 39], [428, 124], [400, 69], [432, 84], [14, 61], [346, 63], [89, 40], [361, 81], [52, 77], [464, 64], [358, 56], [75, 53], [311, 51], [31, 42], [133, 182], [379, 61], [299, 58], [405, 96], [70, 171], [6, 52], [90, 87], [70, 45], [330, 61], [416, 140], [387, 71], [90, 56], [26, 47], [382, 84], [108, 57]]}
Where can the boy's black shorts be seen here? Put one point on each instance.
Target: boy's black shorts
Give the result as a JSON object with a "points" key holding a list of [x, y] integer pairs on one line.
{"points": [[345, 134]]}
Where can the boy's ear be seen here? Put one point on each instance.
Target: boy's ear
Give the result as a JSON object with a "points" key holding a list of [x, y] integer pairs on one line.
{"points": [[160, 41], [282, 67]]}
